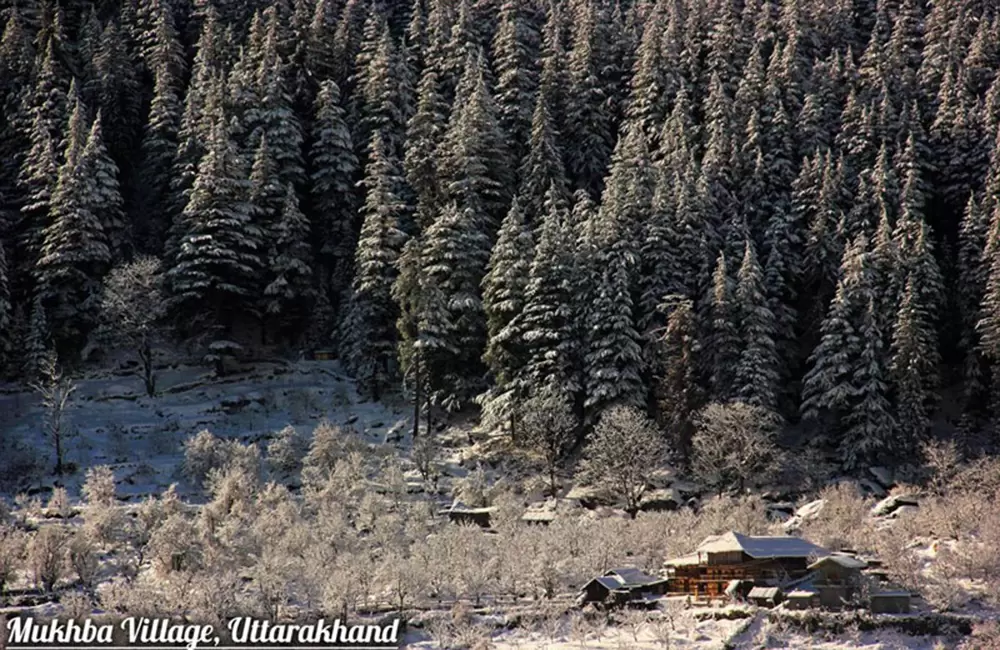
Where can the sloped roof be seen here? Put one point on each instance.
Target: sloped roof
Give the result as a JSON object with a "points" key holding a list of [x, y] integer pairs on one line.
{"points": [[684, 560], [761, 547], [846, 561], [629, 577], [763, 592]]}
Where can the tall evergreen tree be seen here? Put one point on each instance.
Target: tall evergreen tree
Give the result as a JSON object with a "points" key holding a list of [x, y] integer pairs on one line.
{"points": [[290, 290], [333, 166], [216, 274], [757, 375], [914, 367], [369, 330], [516, 50]]}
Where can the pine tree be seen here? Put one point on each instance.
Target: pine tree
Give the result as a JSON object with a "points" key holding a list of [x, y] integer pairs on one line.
{"points": [[333, 202], [548, 325], [515, 53], [424, 133], [454, 255], [870, 427], [543, 169], [369, 330], [914, 367], [106, 199], [472, 160], [724, 341], [613, 361], [503, 295], [290, 290], [159, 145], [589, 135], [676, 390], [757, 375], [116, 93], [74, 253], [36, 345], [216, 274]]}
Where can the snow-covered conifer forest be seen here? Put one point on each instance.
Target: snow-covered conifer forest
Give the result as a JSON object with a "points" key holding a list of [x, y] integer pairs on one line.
{"points": [[738, 243]]}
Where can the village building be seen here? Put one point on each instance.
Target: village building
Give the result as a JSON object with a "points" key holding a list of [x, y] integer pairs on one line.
{"points": [[764, 561], [622, 587]]}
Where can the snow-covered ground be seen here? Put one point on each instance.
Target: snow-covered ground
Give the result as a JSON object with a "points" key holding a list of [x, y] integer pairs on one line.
{"points": [[142, 438]]}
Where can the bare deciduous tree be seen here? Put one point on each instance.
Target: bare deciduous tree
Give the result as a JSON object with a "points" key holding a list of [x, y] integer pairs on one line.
{"points": [[734, 443], [47, 556], [133, 310], [548, 427], [623, 450], [56, 390]]}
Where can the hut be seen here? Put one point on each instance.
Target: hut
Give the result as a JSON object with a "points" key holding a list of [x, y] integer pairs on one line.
{"points": [[837, 579], [621, 587], [765, 596], [459, 513], [890, 602]]}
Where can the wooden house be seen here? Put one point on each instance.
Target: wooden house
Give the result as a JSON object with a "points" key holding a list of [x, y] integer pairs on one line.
{"points": [[720, 559], [837, 579], [765, 596], [459, 513], [621, 587]]}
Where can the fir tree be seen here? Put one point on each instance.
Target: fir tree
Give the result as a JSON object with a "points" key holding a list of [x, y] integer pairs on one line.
{"points": [[515, 53], [333, 203], [369, 332], [6, 311], [724, 339], [870, 430], [454, 255], [914, 367], [757, 375], [216, 274], [74, 253], [676, 392], [503, 295], [106, 199], [543, 169], [290, 290], [613, 361], [36, 345], [424, 133], [472, 161]]}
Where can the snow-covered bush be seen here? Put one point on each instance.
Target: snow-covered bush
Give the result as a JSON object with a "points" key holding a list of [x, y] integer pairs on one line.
{"points": [[175, 545], [203, 452], [99, 487], [285, 451], [76, 605], [206, 452], [84, 559], [12, 543], [47, 556], [59, 505]]}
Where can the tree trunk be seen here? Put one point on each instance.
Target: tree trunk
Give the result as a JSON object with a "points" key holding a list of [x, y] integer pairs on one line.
{"points": [[57, 438], [416, 403], [146, 357]]}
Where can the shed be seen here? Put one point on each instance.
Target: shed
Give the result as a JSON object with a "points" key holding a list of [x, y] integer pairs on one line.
{"points": [[802, 598], [458, 513], [620, 586], [890, 602], [539, 517], [765, 596]]}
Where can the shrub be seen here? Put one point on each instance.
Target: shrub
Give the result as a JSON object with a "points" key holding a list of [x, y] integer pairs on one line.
{"points": [[99, 487], [12, 544], [76, 605], [59, 505], [83, 558], [47, 556], [203, 452], [285, 451], [174, 546]]}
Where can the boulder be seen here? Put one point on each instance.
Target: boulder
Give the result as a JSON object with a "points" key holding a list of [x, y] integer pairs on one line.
{"points": [[882, 475], [660, 500], [811, 509], [590, 497], [904, 511], [890, 504]]}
